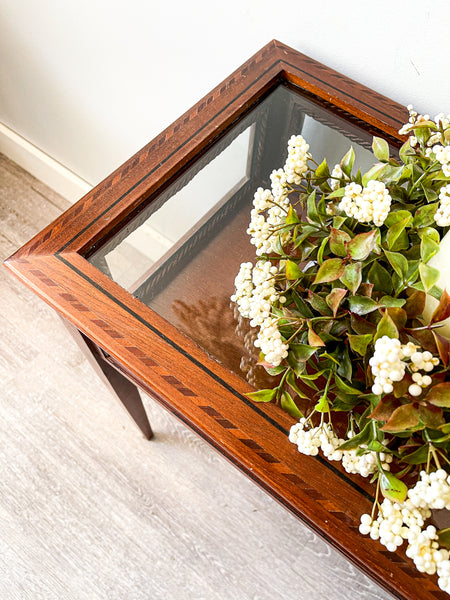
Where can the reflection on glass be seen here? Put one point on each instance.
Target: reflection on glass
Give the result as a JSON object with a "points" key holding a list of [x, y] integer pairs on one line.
{"points": [[181, 253]]}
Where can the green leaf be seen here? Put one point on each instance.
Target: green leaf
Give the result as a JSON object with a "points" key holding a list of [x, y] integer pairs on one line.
{"points": [[394, 235], [392, 488], [262, 395], [329, 270], [428, 276], [344, 362], [321, 250], [431, 233], [403, 418], [301, 306], [390, 302], [292, 217], [344, 387], [306, 231], [322, 172], [406, 153], [319, 304], [418, 457], [442, 311], [439, 395], [348, 161], [293, 271], [301, 352], [395, 216], [386, 326], [362, 305], [381, 149], [335, 298], [337, 241], [311, 208], [289, 405], [398, 262], [338, 221], [430, 194], [363, 437], [373, 173], [322, 405], [336, 193], [362, 245], [424, 216], [359, 343], [380, 277], [290, 379], [352, 276], [428, 248], [444, 537]]}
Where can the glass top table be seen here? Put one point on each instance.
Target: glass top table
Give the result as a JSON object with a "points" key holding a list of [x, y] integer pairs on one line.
{"points": [[180, 254], [143, 268]]}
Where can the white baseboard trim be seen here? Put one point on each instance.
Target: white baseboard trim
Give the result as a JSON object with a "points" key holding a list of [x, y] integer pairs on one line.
{"points": [[41, 165]]}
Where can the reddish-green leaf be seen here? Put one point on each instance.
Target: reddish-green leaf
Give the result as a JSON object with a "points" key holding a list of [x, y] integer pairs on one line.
{"points": [[404, 417], [442, 311], [439, 395], [335, 298], [415, 304], [384, 409], [313, 338], [337, 241], [362, 245], [329, 270], [431, 416], [443, 346], [351, 277]]}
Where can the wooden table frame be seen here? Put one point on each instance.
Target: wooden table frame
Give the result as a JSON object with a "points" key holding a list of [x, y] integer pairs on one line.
{"points": [[127, 335]]}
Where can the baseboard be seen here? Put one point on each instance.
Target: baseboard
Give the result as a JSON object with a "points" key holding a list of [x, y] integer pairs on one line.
{"points": [[41, 165]]}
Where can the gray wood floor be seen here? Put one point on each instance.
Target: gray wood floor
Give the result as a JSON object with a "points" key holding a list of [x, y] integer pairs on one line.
{"points": [[90, 510]]}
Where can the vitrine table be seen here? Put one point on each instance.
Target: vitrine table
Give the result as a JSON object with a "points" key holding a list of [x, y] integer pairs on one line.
{"points": [[143, 268]]}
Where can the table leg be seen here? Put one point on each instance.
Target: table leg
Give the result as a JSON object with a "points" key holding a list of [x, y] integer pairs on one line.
{"points": [[123, 388]]}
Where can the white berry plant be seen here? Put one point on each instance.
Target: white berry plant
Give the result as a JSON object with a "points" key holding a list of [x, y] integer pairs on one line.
{"points": [[337, 294]]}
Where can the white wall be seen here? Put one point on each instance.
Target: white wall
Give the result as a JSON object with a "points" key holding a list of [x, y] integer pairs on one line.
{"points": [[89, 82]]}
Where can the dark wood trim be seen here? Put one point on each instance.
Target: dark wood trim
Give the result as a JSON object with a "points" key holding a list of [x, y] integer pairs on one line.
{"points": [[173, 369]]}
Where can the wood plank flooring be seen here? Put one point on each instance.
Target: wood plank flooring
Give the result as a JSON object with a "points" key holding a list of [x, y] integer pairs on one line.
{"points": [[89, 510]]}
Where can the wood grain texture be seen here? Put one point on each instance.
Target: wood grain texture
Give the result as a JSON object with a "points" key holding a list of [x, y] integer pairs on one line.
{"points": [[89, 510], [198, 390]]}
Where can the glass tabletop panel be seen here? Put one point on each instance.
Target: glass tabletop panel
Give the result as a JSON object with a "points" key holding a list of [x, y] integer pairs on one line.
{"points": [[181, 253]]}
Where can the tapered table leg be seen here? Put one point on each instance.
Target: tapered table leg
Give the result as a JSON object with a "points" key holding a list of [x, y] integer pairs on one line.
{"points": [[123, 388]]}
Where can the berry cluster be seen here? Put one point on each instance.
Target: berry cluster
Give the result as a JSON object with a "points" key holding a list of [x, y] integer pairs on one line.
{"points": [[367, 205], [296, 162], [397, 522], [442, 214]]}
